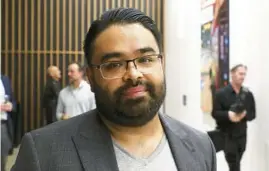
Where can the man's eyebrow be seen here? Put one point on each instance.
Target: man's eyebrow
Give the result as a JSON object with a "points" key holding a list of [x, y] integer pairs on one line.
{"points": [[146, 50], [111, 55], [108, 56]]}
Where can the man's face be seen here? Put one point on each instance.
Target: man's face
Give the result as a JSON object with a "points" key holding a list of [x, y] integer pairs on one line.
{"points": [[239, 75], [73, 73], [55, 72], [135, 98], [58, 73]]}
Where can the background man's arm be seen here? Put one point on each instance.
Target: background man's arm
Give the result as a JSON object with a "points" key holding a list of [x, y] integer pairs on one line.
{"points": [[251, 113], [218, 112], [92, 101], [60, 107], [10, 93]]}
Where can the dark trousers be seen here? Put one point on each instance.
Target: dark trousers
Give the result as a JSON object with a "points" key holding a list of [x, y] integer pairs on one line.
{"points": [[234, 148], [50, 114]]}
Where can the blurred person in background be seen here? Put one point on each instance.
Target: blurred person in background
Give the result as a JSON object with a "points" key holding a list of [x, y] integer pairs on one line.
{"points": [[77, 97], [8, 105], [51, 93], [233, 106]]}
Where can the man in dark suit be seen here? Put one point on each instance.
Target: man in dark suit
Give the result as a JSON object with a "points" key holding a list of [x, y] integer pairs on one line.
{"points": [[51, 93], [125, 132], [233, 106], [8, 105]]}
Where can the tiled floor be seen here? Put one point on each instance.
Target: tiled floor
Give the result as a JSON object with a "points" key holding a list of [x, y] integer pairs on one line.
{"points": [[11, 159]]}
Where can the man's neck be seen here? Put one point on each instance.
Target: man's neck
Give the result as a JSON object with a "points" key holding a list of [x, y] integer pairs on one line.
{"points": [[137, 140], [54, 78], [76, 83], [236, 87], [150, 129]]}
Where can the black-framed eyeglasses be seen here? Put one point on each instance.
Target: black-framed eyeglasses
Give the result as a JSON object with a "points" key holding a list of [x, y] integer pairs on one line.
{"points": [[116, 69]]}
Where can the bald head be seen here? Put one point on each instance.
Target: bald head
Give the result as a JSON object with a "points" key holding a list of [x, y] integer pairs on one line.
{"points": [[54, 72]]}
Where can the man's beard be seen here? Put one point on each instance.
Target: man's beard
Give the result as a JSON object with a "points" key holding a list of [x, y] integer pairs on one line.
{"points": [[130, 112], [71, 81]]}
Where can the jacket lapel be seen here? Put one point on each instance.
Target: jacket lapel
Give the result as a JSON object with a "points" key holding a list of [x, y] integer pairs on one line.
{"points": [[94, 145], [95, 148], [182, 148]]}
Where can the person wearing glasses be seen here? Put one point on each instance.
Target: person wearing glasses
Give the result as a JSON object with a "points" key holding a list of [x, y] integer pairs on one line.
{"points": [[125, 132], [77, 97]]}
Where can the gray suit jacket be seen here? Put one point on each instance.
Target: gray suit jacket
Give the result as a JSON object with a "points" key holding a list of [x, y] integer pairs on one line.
{"points": [[83, 143]]}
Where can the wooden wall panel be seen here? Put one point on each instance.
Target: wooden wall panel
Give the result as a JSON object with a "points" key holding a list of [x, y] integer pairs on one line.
{"points": [[39, 33]]}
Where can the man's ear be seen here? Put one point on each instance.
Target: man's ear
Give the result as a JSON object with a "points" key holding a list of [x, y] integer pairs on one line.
{"points": [[89, 73]]}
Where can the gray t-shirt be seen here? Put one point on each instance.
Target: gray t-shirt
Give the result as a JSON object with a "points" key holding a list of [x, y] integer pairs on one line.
{"points": [[160, 160]]}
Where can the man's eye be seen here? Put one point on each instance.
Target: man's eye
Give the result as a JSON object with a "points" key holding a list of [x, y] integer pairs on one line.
{"points": [[145, 60], [113, 65]]}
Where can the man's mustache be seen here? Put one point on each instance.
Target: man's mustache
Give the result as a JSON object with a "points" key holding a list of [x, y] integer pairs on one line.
{"points": [[149, 87]]}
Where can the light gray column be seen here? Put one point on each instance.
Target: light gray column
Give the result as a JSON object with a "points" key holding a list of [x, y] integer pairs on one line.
{"points": [[182, 56]]}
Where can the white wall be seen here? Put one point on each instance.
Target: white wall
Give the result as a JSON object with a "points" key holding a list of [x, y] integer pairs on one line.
{"points": [[182, 47], [1, 41], [249, 31]]}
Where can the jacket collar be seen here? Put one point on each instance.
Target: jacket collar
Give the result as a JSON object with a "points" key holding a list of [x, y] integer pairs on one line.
{"points": [[95, 147]]}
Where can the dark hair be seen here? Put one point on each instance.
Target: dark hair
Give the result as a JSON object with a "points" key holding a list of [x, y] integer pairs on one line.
{"points": [[118, 16], [238, 66]]}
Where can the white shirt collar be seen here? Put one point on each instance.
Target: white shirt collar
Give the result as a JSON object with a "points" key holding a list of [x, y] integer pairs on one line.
{"points": [[81, 84]]}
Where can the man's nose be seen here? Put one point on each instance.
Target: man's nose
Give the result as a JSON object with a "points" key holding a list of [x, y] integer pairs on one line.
{"points": [[132, 73]]}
